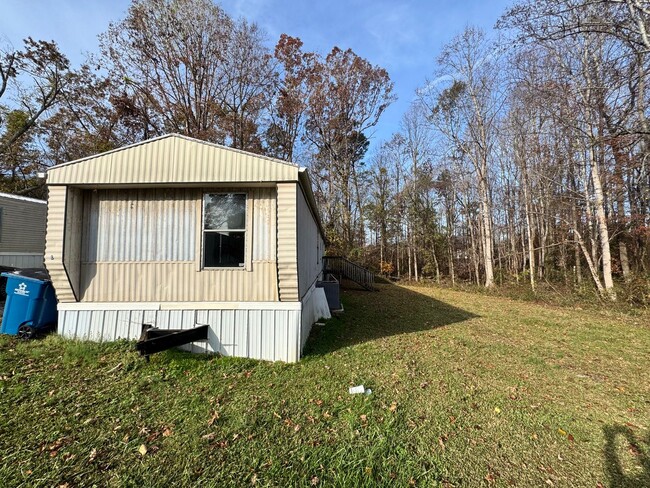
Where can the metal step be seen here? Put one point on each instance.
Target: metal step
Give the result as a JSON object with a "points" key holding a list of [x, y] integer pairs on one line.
{"points": [[155, 340]]}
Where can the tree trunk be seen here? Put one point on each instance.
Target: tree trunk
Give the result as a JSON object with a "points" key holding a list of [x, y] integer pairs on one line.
{"points": [[435, 262], [602, 225], [590, 264], [486, 233], [529, 232]]}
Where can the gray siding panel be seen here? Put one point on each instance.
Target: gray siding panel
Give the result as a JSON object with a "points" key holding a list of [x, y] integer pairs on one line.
{"points": [[22, 225], [22, 260]]}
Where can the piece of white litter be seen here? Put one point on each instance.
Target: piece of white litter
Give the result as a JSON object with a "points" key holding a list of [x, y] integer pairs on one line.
{"points": [[357, 389], [368, 391]]}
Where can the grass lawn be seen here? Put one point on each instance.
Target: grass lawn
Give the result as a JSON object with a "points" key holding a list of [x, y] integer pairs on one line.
{"points": [[468, 390]]}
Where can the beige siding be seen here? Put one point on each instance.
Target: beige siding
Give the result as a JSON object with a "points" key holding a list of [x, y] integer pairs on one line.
{"points": [[54, 243], [140, 225], [264, 222], [22, 225], [139, 245], [310, 246], [287, 248], [172, 159], [177, 282]]}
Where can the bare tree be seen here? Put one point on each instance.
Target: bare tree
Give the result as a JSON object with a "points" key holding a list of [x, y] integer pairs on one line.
{"points": [[467, 114]]}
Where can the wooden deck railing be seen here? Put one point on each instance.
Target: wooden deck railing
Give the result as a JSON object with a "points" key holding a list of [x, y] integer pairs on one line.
{"points": [[343, 267]]}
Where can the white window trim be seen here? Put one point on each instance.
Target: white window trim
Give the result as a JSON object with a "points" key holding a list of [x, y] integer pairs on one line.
{"points": [[246, 231]]}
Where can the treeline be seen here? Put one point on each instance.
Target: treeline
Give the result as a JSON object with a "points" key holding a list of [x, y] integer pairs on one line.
{"points": [[186, 66], [525, 157]]}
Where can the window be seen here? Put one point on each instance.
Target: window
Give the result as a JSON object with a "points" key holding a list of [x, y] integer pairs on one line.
{"points": [[224, 230]]}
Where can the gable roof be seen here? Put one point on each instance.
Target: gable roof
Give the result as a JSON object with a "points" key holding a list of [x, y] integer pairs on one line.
{"points": [[172, 159]]}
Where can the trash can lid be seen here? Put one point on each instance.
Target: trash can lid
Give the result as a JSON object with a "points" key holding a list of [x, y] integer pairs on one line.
{"points": [[33, 273]]}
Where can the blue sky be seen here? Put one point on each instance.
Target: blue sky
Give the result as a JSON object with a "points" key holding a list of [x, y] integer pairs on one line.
{"points": [[404, 37]]}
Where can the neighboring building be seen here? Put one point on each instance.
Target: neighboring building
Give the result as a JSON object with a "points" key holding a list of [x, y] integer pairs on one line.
{"points": [[176, 232], [22, 231]]}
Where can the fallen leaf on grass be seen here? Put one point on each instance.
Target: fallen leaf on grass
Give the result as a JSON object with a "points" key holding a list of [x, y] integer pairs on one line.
{"points": [[142, 450], [213, 419], [167, 432], [393, 407], [93, 455]]}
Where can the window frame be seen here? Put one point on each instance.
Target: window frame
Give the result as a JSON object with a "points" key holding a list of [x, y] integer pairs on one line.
{"points": [[245, 230]]}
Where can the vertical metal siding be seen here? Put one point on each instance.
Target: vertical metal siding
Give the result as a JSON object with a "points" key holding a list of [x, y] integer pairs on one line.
{"points": [[260, 334], [287, 246], [176, 282], [72, 237], [310, 263], [116, 245], [264, 221], [140, 225]]}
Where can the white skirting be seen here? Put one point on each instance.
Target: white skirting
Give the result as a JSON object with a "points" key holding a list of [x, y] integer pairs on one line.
{"points": [[274, 331], [314, 307]]}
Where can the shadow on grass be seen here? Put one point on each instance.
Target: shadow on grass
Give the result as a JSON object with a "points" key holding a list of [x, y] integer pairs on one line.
{"points": [[618, 439], [390, 311]]}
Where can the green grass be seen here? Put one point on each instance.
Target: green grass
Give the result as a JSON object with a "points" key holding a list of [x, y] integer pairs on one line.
{"points": [[468, 390]]}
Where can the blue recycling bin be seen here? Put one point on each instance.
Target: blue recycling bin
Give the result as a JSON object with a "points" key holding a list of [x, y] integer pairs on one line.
{"points": [[30, 305]]}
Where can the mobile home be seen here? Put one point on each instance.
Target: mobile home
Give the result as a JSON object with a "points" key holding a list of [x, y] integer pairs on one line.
{"points": [[175, 232]]}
